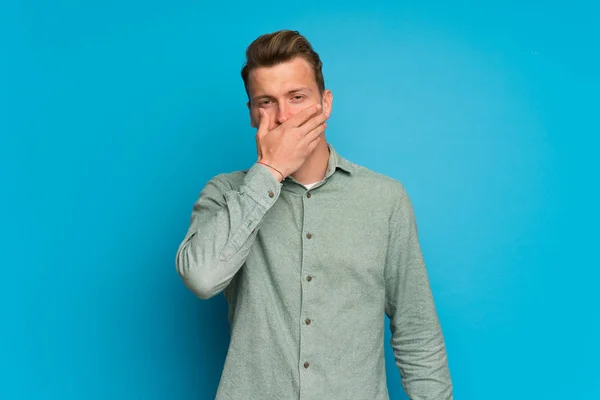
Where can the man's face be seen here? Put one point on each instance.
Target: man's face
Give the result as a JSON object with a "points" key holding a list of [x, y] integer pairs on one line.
{"points": [[284, 90]]}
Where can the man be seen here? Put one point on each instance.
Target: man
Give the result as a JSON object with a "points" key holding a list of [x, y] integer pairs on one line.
{"points": [[311, 252]]}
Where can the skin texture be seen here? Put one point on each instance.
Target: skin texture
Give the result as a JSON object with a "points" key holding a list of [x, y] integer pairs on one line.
{"points": [[283, 107]]}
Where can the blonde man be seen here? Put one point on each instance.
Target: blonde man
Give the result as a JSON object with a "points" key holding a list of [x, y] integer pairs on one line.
{"points": [[311, 252]]}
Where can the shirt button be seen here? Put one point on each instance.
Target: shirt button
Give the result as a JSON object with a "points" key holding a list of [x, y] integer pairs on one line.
{"points": [[308, 195], [309, 278], [307, 321], [309, 235], [271, 194], [306, 364]]}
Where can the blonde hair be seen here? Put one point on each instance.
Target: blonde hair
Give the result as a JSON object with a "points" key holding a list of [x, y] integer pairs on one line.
{"points": [[279, 47]]}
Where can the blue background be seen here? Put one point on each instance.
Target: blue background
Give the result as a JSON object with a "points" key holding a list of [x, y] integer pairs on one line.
{"points": [[114, 114]]}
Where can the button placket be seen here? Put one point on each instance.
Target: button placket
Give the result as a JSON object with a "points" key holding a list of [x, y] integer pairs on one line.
{"points": [[306, 321]]}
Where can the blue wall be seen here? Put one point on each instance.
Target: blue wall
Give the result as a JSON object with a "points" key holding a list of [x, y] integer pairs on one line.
{"points": [[114, 114]]}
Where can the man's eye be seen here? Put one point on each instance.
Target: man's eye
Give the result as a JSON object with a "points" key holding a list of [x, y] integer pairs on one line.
{"points": [[264, 102], [298, 98]]}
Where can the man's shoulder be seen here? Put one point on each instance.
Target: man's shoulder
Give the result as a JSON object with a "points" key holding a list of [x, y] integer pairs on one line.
{"points": [[376, 182]]}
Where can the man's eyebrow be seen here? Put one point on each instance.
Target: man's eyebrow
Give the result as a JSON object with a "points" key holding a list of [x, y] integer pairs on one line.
{"points": [[262, 96], [300, 89], [292, 91]]}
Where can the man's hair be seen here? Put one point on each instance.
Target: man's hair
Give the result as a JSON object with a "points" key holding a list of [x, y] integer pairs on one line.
{"points": [[278, 47]]}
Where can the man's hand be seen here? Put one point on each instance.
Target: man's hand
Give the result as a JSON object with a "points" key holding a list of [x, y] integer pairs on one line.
{"points": [[289, 145]]}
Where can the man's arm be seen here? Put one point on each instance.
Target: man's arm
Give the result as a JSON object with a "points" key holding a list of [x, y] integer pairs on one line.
{"points": [[223, 226], [224, 222], [417, 338]]}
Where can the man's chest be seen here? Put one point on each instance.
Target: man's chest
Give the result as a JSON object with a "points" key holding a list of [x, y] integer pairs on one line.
{"points": [[339, 242]]}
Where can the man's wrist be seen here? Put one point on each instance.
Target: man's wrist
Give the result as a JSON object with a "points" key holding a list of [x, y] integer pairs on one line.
{"points": [[276, 172]]}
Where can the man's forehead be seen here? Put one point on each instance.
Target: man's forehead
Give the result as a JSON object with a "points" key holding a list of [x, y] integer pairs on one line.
{"points": [[297, 65], [283, 77]]}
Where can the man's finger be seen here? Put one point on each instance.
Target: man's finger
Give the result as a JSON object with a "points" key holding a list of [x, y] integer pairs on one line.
{"points": [[313, 134], [264, 123], [303, 116], [313, 122], [258, 151]]}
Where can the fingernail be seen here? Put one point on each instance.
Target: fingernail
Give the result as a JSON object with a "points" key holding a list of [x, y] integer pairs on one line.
{"points": [[318, 106]]}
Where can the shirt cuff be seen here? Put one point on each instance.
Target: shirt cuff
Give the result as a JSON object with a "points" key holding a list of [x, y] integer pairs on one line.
{"points": [[261, 185]]}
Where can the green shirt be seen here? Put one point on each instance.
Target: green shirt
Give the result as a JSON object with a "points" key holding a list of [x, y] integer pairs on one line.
{"points": [[309, 276]]}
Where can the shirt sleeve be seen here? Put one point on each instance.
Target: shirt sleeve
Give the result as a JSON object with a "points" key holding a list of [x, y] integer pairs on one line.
{"points": [[417, 339], [223, 226]]}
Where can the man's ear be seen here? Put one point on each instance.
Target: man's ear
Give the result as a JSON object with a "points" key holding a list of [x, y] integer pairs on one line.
{"points": [[327, 102], [252, 122]]}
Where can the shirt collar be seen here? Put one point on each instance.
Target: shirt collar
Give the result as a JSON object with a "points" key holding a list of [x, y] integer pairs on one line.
{"points": [[337, 161]]}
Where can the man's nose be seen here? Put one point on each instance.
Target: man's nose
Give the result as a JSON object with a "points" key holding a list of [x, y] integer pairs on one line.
{"points": [[283, 113]]}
